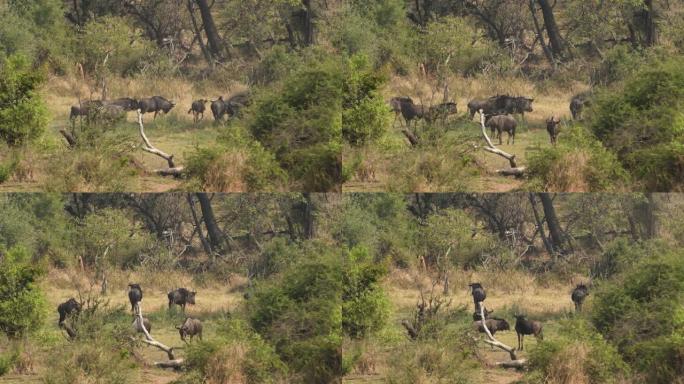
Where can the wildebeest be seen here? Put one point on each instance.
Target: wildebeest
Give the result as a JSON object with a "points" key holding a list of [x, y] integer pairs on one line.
{"points": [[478, 317], [181, 296], [479, 294], [155, 104], [411, 111], [577, 104], [197, 109], [501, 105], [500, 124], [127, 103], [395, 106], [443, 111], [135, 295], [527, 327], [494, 325], [232, 106], [85, 108], [553, 128], [146, 323], [190, 327], [67, 308], [578, 295]]}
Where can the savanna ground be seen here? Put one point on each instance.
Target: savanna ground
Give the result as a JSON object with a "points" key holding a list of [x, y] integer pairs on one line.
{"points": [[215, 301], [380, 168], [542, 298]]}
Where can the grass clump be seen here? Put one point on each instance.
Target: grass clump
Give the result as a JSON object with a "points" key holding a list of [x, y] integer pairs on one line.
{"points": [[579, 163], [578, 354]]}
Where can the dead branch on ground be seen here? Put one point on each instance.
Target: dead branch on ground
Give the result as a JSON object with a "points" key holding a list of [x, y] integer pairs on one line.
{"points": [[172, 170], [514, 170]]}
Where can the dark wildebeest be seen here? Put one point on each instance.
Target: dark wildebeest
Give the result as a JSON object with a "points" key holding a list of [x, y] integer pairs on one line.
{"points": [[146, 323], [477, 317], [232, 106], [218, 108], [411, 111], [190, 327], [67, 308], [135, 295], [197, 109], [500, 124], [85, 108], [577, 104], [553, 128], [181, 296], [479, 295], [443, 111], [494, 325], [527, 327], [578, 295], [126, 103], [501, 105], [155, 104], [395, 106]]}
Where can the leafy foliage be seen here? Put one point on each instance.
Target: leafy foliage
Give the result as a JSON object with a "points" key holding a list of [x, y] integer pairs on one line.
{"points": [[23, 116], [21, 301], [639, 313]]}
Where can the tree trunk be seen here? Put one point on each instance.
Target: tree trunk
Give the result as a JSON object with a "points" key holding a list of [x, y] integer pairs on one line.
{"points": [[309, 219], [552, 222], [198, 35], [552, 30], [215, 44], [215, 235], [309, 31], [540, 225], [198, 225], [540, 33]]}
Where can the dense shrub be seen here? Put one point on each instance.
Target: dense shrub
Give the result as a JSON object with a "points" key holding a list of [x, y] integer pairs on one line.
{"points": [[365, 116], [301, 316], [102, 352], [237, 355], [579, 163], [578, 354], [643, 123], [21, 301], [23, 115], [640, 313], [365, 307], [447, 239], [237, 163], [301, 125]]}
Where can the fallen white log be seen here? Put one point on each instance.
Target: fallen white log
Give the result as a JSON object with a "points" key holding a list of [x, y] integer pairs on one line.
{"points": [[173, 170], [148, 338], [175, 364], [491, 340], [491, 147]]}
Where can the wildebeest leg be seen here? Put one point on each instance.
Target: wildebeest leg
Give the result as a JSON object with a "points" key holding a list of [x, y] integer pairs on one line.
{"points": [[155, 115]]}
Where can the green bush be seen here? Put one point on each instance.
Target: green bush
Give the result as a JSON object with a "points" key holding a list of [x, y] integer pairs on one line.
{"points": [[366, 116], [102, 351], [643, 123], [579, 163], [301, 125], [22, 305], [365, 307], [640, 312], [301, 316], [23, 115], [578, 354]]}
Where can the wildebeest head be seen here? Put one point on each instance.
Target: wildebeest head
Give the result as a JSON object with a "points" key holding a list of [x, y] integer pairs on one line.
{"points": [[475, 285], [523, 104]]}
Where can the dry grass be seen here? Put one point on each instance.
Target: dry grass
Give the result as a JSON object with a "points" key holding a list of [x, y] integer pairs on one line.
{"points": [[211, 297], [568, 367]]}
